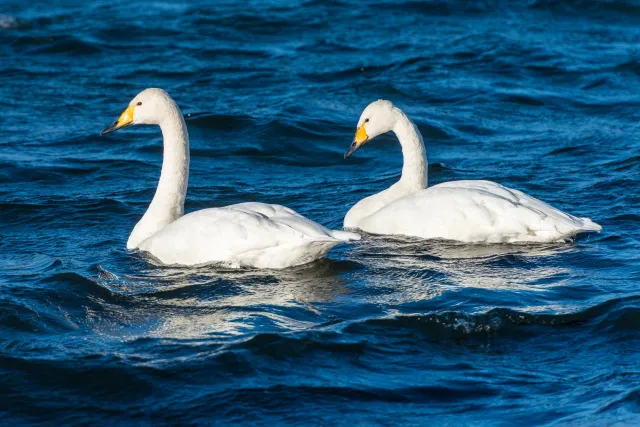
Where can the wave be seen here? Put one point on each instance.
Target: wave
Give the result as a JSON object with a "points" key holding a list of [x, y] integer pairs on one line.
{"points": [[632, 162], [12, 23], [613, 316], [56, 45], [595, 8], [75, 290], [324, 394], [574, 150]]}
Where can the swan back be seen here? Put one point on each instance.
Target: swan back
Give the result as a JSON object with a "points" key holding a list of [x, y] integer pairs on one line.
{"points": [[475, 211], [256, 234]]}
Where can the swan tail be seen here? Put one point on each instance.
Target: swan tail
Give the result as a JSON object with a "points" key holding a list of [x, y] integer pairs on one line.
{"points": [[344, 236], [588, 225]]}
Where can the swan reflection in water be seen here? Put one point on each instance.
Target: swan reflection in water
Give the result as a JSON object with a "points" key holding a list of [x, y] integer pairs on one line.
{"points": [[220, 301], [455, 265], [386, 276]]}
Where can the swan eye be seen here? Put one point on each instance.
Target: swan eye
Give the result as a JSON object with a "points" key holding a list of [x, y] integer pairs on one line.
{"points": [[366, 120], [139, 103]]}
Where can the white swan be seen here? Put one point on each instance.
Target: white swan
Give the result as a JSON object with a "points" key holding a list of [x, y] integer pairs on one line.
{"points": [[248, 234], [466, 211]]}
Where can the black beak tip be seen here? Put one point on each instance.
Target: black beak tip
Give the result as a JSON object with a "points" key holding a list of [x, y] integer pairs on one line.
{"points": [[112, 128], [352, 149]]}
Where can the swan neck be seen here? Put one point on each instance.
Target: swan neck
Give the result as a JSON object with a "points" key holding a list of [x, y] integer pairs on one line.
{"points": [[174, 177], [414, 169], [168, 202]]}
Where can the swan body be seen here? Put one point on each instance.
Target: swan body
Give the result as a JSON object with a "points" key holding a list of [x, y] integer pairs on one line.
{"points": [[248, 234], [253, 234], [465, 211]]}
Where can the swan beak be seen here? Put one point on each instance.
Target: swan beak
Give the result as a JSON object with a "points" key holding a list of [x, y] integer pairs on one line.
{"points": [[358, 141], [125, 119]]}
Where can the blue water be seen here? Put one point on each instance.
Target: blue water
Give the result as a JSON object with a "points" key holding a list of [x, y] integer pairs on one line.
{"points": [[542, 96]]}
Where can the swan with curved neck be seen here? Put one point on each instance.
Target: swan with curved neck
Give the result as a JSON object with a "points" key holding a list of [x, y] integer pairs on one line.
{"points": [[248, 234], [467, 211]]}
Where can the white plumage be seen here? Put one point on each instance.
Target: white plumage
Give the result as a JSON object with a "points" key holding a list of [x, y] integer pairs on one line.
{"points": [[253, 234], [466, 211]]}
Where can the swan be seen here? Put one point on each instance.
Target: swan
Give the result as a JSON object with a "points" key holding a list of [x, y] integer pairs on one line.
{"points": [[246, 234], [465, 211]]}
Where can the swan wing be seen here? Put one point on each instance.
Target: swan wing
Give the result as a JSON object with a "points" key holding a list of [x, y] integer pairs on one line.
{"points": [[253, 234], [475, 211]]}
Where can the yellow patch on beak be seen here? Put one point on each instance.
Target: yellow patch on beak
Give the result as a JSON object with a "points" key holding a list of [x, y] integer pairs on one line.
{"points": [[360, 138], [361, 135], [125, 119]]}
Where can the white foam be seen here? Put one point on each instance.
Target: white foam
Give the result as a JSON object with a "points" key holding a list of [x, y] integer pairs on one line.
{"points": [[7, 22]]}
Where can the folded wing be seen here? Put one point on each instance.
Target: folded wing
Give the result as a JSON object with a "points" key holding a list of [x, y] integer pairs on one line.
{"points": [[256, 234], [476, 211]]}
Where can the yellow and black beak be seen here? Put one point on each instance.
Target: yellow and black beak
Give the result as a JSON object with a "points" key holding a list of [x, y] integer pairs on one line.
{"points": [[358, 141], [125, 120]]}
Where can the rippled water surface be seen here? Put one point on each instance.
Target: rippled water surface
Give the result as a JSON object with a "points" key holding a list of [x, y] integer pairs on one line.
{"points": [[543, 96]]}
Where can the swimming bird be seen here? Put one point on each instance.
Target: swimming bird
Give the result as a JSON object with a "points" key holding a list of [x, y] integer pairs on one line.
{"points": [[465, 211], [245, 234]]}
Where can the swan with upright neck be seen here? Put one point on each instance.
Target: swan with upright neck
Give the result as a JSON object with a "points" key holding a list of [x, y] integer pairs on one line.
{"points": [[466, 211], [245, 234]]}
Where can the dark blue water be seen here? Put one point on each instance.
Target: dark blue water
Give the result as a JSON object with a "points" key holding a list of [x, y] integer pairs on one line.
{"points": [[543, 96]]}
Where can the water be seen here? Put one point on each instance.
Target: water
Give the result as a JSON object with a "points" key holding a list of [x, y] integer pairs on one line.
{"points": [[542, 96]]}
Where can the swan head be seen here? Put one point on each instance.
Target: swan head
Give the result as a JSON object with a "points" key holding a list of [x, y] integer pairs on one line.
{"points": [[376, 119], [149, 107]]}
